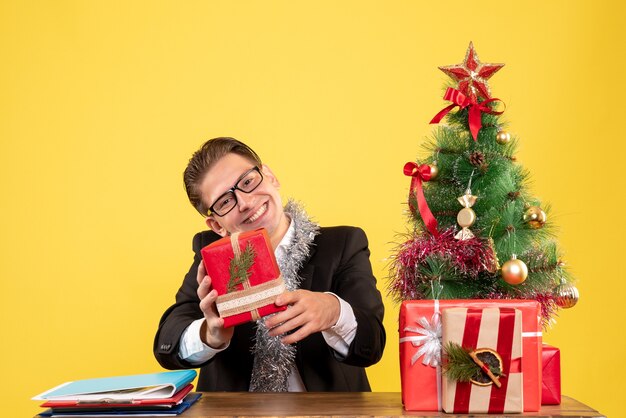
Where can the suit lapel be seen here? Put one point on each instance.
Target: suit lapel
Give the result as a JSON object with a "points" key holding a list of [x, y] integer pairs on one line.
{"points": [[306, 273]]}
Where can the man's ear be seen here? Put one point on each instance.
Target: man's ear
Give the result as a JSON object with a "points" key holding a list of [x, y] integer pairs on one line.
{"points": [[215, 226], [269, 175]]}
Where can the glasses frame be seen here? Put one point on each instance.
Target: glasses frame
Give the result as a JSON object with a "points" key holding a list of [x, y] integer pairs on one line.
{"points": [[232, 190]]}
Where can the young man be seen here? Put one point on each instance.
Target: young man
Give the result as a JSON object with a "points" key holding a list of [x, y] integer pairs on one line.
{"points": [[333, 326]]}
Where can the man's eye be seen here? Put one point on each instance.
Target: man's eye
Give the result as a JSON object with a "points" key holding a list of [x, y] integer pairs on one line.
{"points": [[224, 202]]}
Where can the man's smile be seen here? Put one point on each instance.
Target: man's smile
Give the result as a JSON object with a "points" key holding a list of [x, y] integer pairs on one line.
{"points": [[257, 214]]}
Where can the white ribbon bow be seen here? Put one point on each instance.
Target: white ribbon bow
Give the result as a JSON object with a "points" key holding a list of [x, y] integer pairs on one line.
{"points": [[429, 340]]}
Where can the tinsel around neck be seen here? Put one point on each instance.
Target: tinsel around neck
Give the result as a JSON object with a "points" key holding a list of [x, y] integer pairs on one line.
{"points": [[299, 249], [273, 360]]}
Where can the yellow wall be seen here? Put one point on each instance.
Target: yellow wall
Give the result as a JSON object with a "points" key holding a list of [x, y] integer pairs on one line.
{"points": [[102, 103]]}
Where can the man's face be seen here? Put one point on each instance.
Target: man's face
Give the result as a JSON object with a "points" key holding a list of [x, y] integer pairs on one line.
{"points": [[261, 208]]}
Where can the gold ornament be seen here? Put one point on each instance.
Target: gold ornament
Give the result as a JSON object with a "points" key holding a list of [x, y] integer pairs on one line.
{"points": [[565, 295], [434, 170], [503, 137], [535, 217], [466, 217], [514, 271]]}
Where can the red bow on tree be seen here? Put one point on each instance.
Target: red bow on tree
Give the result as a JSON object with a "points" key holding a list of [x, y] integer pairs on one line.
{"points": [[419, 173], [475, 109]]}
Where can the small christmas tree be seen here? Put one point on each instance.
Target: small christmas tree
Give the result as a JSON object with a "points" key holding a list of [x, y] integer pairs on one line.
{"points": [[477, 232]]}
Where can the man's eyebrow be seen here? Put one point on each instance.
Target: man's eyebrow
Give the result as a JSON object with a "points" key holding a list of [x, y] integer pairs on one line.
{"points": [[244, 174], [238, 180]]}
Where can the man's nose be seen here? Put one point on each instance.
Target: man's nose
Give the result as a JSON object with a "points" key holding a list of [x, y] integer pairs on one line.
{"points": [[244, 200]]}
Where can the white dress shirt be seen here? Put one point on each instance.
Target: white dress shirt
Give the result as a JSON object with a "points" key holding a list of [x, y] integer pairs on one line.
{"points": [[338, 337]]}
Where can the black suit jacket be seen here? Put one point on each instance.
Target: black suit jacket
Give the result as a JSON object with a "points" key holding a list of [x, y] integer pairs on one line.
{"points": [[339, 263]]}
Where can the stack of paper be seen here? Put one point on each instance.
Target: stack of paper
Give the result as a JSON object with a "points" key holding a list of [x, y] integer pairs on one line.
{"points": [[154, 394]]}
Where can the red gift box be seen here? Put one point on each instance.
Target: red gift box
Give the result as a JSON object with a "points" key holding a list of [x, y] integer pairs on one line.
{"points": [[248, 293], [551, 378], [500, 331], [420, 329]]}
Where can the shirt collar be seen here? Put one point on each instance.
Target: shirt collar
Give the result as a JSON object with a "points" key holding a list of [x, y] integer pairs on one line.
{"points": [[284, 243]]}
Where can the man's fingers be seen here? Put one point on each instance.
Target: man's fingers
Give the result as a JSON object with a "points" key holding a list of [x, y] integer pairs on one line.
{"points": [[287, 298], [201, 272], [289, 325], [283, 316], [204, 287], [207, 304], [212, 332], [299, 335]]}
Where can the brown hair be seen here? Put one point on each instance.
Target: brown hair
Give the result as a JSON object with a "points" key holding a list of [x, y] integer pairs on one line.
{"points": [[203, 159]]}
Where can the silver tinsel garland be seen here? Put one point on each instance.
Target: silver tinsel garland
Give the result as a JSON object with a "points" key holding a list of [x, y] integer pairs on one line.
{"points": [[273, 360]]}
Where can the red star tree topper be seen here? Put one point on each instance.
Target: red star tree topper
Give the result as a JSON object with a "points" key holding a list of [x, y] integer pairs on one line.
{"points": [[472, 74]]}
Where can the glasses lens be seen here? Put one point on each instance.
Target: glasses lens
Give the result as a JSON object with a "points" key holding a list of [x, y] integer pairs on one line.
{"points": [[225, 203], [250, 181]]}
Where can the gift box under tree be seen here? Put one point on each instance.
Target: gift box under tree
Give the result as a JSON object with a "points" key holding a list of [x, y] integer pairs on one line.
{"points": [[551, 375], [420, 350], [483, 360], [244, 272]]}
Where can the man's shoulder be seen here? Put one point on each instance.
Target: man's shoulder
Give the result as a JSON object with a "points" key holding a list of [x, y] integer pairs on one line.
{"points": [[342, 229], [338, 243], [204, 238], [343, 232]]}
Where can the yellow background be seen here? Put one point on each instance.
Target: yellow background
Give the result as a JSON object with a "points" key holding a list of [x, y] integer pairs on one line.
{"points": [[102, 104]]}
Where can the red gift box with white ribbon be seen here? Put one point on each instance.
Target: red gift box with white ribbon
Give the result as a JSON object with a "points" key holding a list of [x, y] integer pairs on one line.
{"points": [[243, 270], [420, 350]]}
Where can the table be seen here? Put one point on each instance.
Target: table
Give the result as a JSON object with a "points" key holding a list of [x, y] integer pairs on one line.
{"points": [[340, 404]]}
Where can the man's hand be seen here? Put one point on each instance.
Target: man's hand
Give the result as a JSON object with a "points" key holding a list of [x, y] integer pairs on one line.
{"points": [[311, 311], [212, 331]]}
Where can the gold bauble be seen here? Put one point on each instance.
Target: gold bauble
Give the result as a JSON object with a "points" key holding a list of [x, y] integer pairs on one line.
{"points": [[565, 295], [514, 271], [434, 170], [503, 137], [535, 217], [466, 217]]}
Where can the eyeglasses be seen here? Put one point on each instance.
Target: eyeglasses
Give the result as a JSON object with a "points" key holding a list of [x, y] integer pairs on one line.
{"points": [[249, 181]]}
